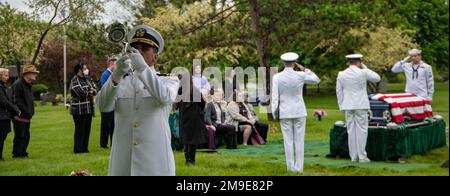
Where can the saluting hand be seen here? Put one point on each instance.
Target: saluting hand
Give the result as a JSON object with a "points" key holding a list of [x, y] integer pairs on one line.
{"points": [[405, 60], [301, 67]]}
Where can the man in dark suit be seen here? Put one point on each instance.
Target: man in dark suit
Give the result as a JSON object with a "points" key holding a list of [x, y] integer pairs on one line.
{"points": [[215, 119], [23, 98]]}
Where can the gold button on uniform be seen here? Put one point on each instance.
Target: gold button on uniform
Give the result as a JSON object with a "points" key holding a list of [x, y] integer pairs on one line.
{"points": [[136, 142], [136, 125]]}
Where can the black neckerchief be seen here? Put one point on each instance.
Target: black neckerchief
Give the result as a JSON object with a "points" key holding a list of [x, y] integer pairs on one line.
{"points": [[415, 74]]}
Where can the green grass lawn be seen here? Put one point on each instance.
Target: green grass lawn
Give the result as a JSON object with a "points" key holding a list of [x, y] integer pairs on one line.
{"points": [[52, 142]]}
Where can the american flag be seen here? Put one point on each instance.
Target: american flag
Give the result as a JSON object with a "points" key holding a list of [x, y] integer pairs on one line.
{"points": [[406, 105]]}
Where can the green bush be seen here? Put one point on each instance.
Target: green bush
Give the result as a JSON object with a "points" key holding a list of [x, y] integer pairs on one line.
{"points": [[60, 98], [38, 89]]}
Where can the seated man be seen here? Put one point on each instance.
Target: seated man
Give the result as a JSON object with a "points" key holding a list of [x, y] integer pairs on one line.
{"points": [[215, 119]]}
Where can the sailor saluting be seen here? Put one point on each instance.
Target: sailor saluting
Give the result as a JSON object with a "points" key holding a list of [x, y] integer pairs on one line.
{"points": [[287, 99], [351, 91], [419, 75]]}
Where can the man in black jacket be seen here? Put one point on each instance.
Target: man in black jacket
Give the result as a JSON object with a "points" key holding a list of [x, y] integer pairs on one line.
{"points": [[7, 109], [23, 98], [215, 118]]}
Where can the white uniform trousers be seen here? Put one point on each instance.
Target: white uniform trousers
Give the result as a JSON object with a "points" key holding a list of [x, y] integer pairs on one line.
{"points": [[294, 141], [357, 129]]}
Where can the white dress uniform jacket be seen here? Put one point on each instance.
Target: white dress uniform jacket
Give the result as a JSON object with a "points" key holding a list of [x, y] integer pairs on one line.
{"points": [[142, 142], [287, 92], [354, 95], [420, 83]]}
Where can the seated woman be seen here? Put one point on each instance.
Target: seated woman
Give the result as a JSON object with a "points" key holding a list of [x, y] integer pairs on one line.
{"points": [[215, 118], [241, 117], [261, 127]]}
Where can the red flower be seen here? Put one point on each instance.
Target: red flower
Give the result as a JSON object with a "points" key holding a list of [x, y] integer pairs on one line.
{"points": [[81, 172]]}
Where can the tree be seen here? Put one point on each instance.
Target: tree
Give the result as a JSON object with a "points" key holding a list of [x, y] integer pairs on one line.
{"points": [[85, 45], [51, 63], [149, 7], [321, 31], [80, 12], [200, 30], [383, 47], [429, 22], [430, 19], [17, 40]]}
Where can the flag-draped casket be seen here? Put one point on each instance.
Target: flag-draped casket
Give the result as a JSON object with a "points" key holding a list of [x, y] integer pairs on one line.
{"points": [[387, 108]]}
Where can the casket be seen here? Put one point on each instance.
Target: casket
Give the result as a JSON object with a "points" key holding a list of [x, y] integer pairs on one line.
{"points": [[379, 113], [398, 108]]}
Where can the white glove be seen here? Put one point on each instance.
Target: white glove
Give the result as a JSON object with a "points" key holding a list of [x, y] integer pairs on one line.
{"points": [[405, 60], [123, 66], [138, 61]]}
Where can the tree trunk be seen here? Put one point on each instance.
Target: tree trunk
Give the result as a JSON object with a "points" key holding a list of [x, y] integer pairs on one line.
{"points": [[262, 42], [58, 79], [19, 70], [39, 46]]}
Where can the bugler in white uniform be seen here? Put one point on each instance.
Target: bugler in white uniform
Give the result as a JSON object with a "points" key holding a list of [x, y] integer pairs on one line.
{"points": [[142, 103], [287, 94], [351, 91]]}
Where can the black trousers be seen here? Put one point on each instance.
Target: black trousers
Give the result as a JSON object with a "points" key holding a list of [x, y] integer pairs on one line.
{"points": [[106, 129], [21, 139], [5, 128], [2, 142], [82, 133], [229, 132], [189, 153]]}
